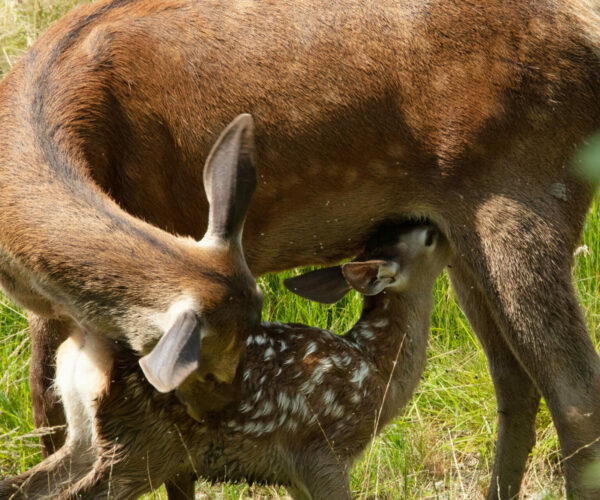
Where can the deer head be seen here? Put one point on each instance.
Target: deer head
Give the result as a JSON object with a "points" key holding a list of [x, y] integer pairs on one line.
{"points": [[207, 340]]}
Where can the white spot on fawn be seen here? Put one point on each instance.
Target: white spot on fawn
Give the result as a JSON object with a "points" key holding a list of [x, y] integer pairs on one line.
{"points": [[381, 323], [328, 397], [269, 354], [361, 374], [265, 410], [307, 387], [366, 334], [335, 410], [283, 402], [312, 347], [322, 368], [260, 340]]}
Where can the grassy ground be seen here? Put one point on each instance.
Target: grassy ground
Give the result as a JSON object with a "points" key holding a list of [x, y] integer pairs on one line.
{"points": [[441, 448]]}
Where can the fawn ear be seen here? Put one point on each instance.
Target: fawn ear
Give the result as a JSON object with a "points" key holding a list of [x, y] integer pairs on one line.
{"points": [[176, 354], [325, 285], [371, 277], [230, 179]]}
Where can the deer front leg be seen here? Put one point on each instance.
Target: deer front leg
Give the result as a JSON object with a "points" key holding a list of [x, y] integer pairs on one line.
{"points": [[48, 411], [516, 395], [320, 476], [520, 255]]}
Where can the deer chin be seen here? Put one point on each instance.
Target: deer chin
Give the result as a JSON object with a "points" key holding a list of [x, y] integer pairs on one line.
{"points": [[202, 396]]}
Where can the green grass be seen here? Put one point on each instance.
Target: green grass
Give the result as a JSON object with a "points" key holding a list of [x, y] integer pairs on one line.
{"points": [[442, 447]]}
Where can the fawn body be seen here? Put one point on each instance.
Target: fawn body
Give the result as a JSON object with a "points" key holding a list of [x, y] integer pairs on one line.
{"points": [[309, 402], [465, 112]]}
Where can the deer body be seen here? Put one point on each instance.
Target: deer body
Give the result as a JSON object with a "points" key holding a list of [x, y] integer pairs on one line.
{"points": [[467, 113], [310, 401], [374, 119]]}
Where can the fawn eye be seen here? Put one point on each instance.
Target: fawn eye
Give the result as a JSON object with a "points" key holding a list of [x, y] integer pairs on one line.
{"points": [[430, 238]]}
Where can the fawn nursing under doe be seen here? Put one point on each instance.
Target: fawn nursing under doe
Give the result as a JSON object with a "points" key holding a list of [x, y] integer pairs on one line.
{"points": [[309, 401]]}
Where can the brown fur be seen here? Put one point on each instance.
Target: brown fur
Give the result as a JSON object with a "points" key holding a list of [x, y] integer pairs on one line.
{"points": [[465, 112], [310, 400]]}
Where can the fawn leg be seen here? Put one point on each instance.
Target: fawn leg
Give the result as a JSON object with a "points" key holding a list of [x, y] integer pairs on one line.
{"points": [[48, 411], [320, 476], [520, 254], [51, 476], [181, 487], [127, 479], [516, 395]]}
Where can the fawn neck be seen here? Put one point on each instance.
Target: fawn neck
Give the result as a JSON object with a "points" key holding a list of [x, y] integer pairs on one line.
{"points": [[392, 332]]}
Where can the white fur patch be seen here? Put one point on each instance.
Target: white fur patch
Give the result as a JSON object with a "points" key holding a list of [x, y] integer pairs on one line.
{"points": [[381, 323], [366, 333], [335, 410], [323, 367], [260, 340], [266, 409], [283, 402], [312, 347], [328, 397], [307, 387], [269, 354], [361, 374], [164, 321], [83, 365]]}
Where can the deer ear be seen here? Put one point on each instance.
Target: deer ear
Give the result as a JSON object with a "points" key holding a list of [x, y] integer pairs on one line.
{"points": [[325, 285], [175, 356], [371, 277], [230, 179]]}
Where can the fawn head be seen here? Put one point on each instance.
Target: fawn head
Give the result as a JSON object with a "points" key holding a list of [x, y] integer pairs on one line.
{"points": [[398, 257], [206, 331]]}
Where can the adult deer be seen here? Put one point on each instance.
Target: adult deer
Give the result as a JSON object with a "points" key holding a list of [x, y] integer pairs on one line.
{"points": [[465, 112]]}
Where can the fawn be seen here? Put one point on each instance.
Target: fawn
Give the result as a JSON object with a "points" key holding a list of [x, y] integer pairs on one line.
{"points": [[309, 400]]}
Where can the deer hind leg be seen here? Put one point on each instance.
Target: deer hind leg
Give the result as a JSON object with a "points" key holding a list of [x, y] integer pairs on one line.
{"points": [[520, 255], [48, 411], [516, 395]]}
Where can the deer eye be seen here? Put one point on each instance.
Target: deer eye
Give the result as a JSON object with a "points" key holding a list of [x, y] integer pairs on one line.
{"points": [[430, 238]]}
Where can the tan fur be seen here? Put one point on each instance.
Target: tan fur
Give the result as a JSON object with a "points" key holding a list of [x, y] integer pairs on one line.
{"points": [[465, 112]]}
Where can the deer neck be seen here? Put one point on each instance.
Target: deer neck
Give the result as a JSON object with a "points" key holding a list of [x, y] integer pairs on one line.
{"points": [[392, 332]]}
